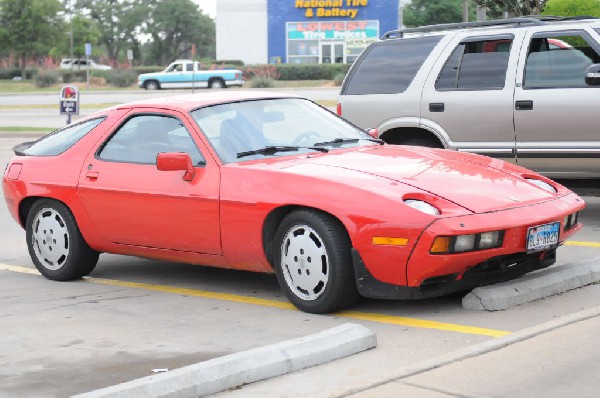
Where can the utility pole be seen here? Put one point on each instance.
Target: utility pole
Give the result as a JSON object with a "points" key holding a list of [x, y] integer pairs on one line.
{"points": [[465, 5]]}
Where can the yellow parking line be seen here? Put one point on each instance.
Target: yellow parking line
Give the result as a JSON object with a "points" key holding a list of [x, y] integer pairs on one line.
{"points": [[586, 244], [366, 316]]}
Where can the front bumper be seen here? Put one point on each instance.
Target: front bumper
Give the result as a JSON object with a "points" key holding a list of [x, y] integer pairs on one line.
{"points": [[494, 270]]}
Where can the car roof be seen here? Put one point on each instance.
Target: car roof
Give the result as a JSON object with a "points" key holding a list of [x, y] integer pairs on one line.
{"points": [[188, 102]]}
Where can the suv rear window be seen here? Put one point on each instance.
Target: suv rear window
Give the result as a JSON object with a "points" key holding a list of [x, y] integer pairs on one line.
{"points": [[389, 66]]}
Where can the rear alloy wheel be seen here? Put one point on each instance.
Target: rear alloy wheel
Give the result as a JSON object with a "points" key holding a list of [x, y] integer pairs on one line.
{"points": [[313, 262], [216, 83], [55, 244], [152, 85]]}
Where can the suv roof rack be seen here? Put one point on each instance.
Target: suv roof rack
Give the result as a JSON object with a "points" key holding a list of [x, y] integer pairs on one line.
{"points": [[532, 20]]}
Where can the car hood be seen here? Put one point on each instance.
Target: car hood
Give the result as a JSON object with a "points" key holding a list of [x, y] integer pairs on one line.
{"points": [[477, 183]]}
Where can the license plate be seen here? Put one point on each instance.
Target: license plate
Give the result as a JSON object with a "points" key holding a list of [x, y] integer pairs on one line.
{"points": [[543, 237]]}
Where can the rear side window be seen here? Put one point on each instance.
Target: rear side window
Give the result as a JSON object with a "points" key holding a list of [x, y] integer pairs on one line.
{"points": [[59, 141], [476, 65], [389, 66]]}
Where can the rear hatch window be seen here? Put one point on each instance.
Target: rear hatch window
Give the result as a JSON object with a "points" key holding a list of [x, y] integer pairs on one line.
{"points": [[388, 66], [57, 142]]}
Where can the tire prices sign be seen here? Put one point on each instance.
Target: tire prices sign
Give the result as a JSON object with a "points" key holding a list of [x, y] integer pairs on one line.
{"points": [[69, 100]]}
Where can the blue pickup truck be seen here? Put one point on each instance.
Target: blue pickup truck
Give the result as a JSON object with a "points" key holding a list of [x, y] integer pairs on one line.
{"points": [[184, 73]]}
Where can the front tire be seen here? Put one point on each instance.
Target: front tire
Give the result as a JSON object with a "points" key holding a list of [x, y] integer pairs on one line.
{"points": [[55, 243], [152, 85], [313, 262]]}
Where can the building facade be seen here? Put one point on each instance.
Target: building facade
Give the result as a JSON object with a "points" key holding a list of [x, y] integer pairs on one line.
{"points": [[301, 31]]}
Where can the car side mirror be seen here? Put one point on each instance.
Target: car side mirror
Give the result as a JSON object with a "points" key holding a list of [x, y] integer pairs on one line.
{"points": [[373, 133], [592, 75], [173, 161]]}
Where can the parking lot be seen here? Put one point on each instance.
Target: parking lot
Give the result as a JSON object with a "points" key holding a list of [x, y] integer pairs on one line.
{"points": [[133, 316]]}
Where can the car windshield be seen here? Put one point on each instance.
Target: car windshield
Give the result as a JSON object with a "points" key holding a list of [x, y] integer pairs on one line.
{"points": [[259, 129]]}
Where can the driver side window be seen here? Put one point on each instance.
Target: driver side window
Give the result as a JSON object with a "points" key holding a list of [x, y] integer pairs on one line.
{"points": [[143, 137]]}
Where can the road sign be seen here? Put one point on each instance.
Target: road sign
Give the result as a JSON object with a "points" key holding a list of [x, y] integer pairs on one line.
{"points": [[88, 49], [69, 102]]}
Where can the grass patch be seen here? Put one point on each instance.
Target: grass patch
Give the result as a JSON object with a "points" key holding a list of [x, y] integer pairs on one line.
{"points": [[327, 103], [20, 129], [28, 86], [302, 83], [52, 106]]}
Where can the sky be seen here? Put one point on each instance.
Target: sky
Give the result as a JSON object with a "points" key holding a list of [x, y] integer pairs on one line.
{"points": [[208, 7]]}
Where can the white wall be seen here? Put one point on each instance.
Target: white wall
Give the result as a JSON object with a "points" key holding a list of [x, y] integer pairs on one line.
{"points": [[242, 30]]}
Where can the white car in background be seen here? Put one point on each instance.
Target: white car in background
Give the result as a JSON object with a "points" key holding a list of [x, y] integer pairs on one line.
{"points": [[80, 63]]}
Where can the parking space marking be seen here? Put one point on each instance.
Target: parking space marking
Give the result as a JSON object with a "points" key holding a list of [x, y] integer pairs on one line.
{"points": [[586, 244], [366, 316]]}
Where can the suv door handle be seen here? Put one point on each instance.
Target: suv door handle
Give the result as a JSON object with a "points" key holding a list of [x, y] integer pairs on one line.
{"points": [[524, 105], [436, 107]]}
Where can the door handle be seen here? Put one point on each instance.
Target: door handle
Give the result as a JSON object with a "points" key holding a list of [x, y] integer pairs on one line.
{"points": [[524, 105], [436, 107], [92, 175]]}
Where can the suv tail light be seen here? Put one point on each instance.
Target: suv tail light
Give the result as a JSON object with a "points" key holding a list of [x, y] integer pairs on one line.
{"points": [[339, 109]]}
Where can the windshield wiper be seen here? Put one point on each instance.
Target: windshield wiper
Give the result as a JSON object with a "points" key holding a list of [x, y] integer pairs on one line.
{"points": [[273, 149], [342, 141]]}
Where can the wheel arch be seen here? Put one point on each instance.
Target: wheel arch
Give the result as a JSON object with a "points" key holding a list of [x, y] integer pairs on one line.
{"points": [[400, 135], [274, 219], [216, 78], [26, 205]]}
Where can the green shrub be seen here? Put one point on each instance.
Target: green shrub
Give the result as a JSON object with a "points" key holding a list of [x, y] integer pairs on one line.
{"points": [[310, 71], [74, 75], [123, 78], [339, 79], [261, 71], [10, 73], [261, 82], [46, 78], [148, 69], [233, 62]]}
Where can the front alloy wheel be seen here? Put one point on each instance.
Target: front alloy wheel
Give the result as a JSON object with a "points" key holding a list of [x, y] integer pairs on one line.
{"points": [[313, 262]]}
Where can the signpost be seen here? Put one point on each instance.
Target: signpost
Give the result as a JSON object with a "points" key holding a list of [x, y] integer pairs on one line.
{"points": [[69, 102], [88, 52]]}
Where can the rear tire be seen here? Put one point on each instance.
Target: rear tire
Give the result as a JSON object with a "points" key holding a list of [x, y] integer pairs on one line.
{"points": [[216, 83], [313, 262], [55, 243]]}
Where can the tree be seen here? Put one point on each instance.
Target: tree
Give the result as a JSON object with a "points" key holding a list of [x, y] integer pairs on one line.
{"points": [[30, 27], [84, 31], [120, 22], [176, 25], [515, 8], [426, 12], [571, 8]]}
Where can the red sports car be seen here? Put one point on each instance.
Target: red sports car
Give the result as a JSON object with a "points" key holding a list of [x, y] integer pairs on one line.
{"points": [[275, 183]]}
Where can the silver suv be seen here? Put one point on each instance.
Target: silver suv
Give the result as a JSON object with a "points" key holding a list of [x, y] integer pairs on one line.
{"points": [[526, 90]]}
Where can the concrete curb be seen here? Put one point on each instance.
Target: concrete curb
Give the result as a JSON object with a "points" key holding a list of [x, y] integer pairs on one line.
{"points": [[245, 367], [473, 351], [534, 286]]}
